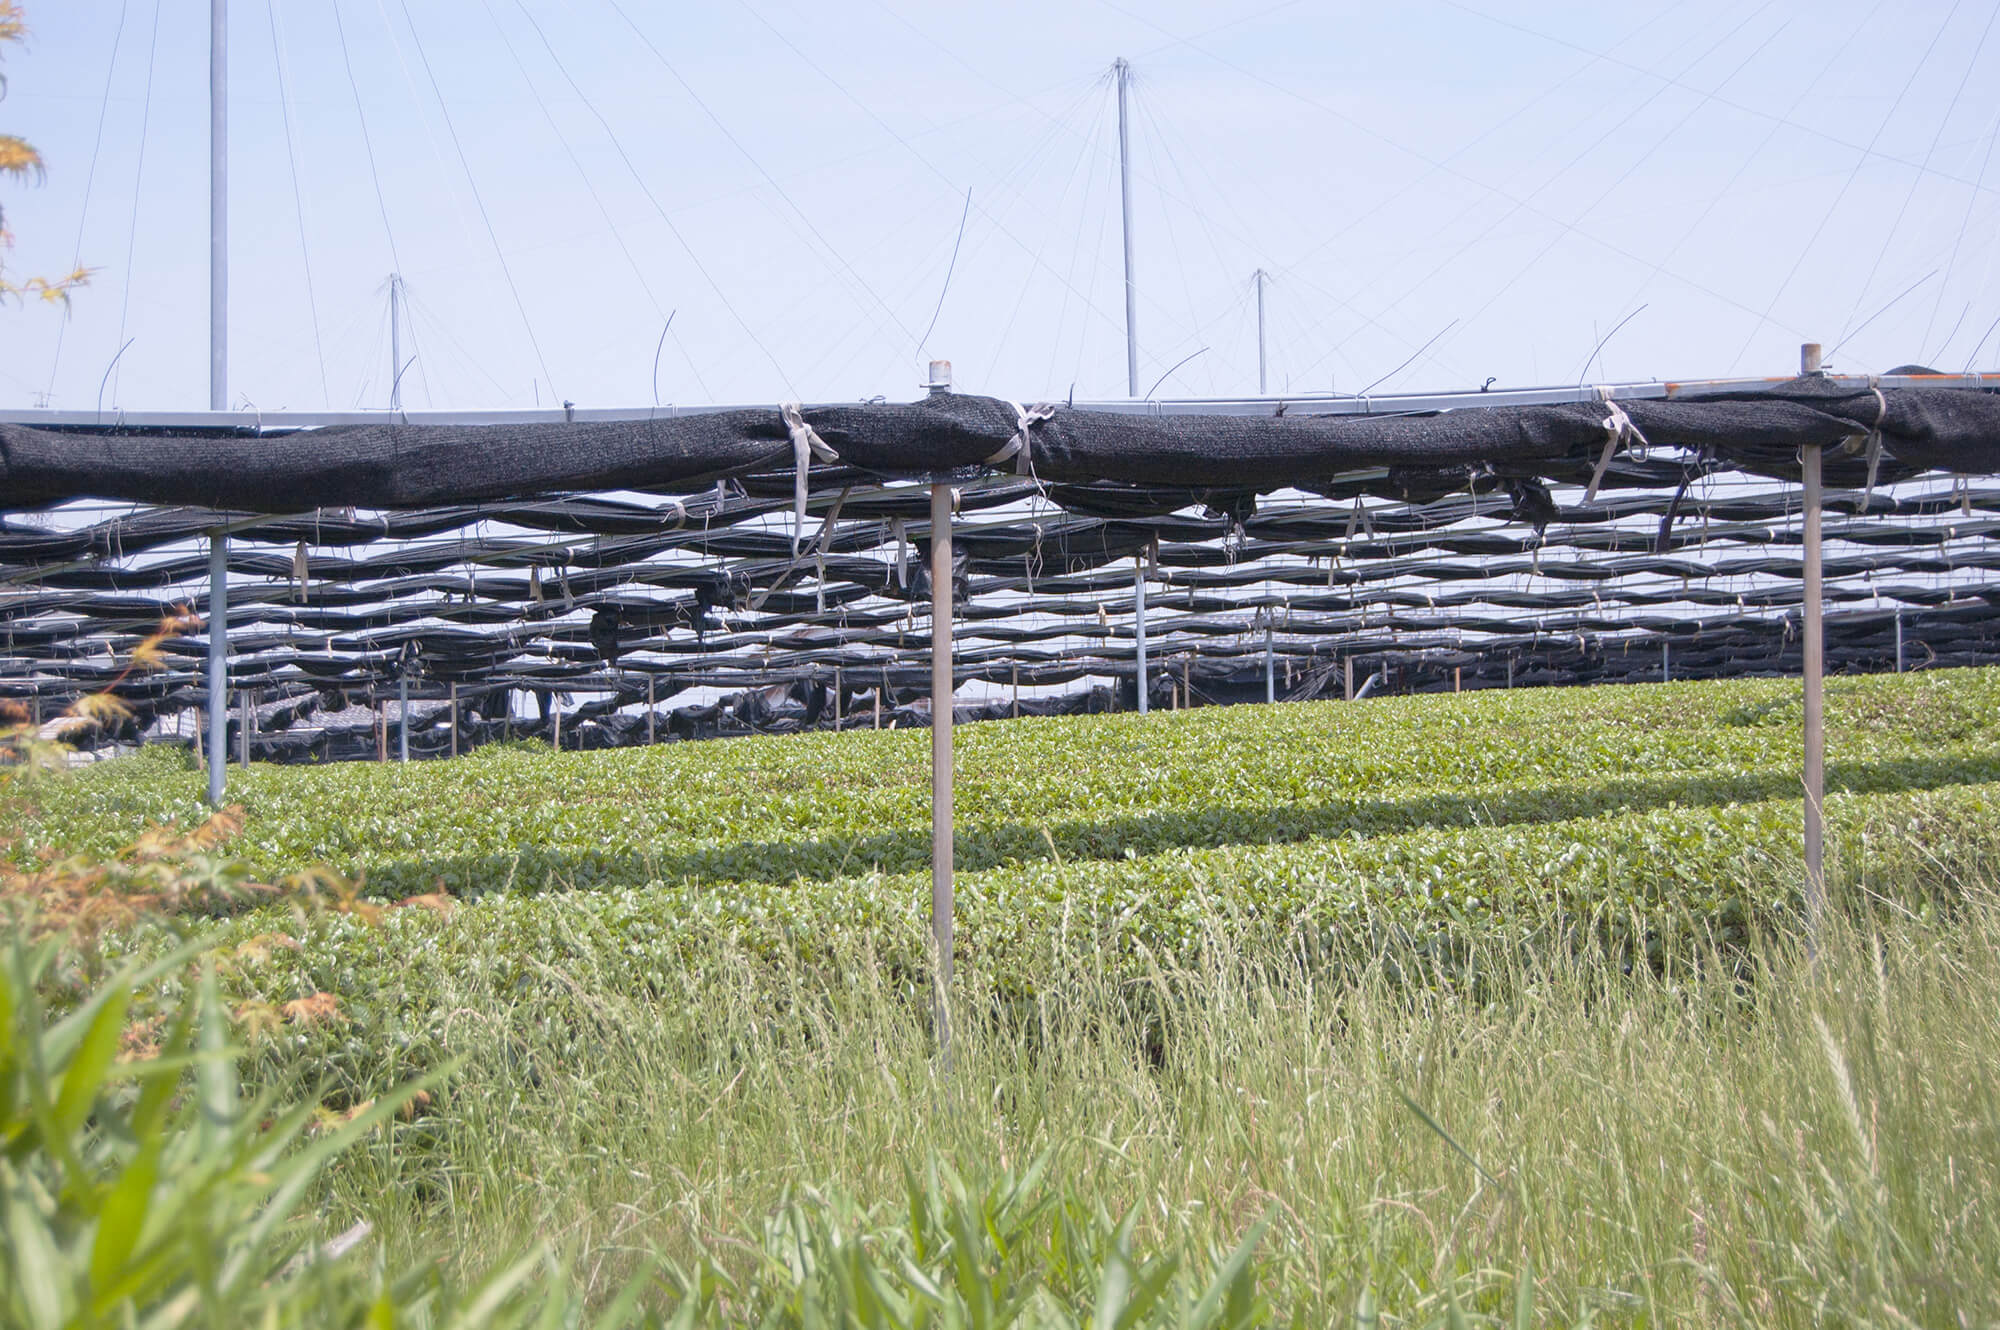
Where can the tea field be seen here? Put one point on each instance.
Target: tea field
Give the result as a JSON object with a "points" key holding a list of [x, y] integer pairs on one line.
{"points": [[1488, 1006]]}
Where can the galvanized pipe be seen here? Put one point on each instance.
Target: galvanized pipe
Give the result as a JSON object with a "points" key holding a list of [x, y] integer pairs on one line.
{"points": [[1124, 71], [218, 663], [403, 713], [1270, 663], [1139, 625], [218, 209]]}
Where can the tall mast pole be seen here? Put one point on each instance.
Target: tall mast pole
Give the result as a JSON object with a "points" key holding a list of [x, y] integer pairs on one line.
{"points": [[1260, 275], [395, 342], [1123, 69], [218, 205], [218, 383]]}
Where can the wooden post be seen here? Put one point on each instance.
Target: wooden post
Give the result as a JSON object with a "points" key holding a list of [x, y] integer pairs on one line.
{"points": [[1815, 703], [942, 692], [1457, 679], [454, 720]]}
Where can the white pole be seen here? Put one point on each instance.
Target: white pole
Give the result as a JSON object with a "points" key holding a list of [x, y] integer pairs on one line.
{"points": [[1270, 666], [395, 342], [1815, 662], [1899, 641], [218, 205], [218, 663], [403, 711], [942, 692], [1124, 71], [1260, 276], [1139, 624]]}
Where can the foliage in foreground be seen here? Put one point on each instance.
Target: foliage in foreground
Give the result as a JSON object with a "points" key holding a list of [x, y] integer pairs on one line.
{"points": [[139, 1186]]}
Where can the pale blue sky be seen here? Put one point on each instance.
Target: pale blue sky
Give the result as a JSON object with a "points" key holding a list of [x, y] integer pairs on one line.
{"points": [[789, 178]]}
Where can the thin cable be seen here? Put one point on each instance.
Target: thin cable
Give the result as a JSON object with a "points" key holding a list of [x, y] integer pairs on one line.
{"points": [[618, 146], [1972, 199], [89, 180], [755, 164], [590, 187], [948, 270], [367, 140], [527, 324], [1917, 179], [132, 235], [298, 198], [1583, 375], [1407, 363], [1884, 310], [1826, 219]]}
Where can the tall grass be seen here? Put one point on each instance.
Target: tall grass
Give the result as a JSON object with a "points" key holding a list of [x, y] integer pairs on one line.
{"points": [[1756, 1137]]}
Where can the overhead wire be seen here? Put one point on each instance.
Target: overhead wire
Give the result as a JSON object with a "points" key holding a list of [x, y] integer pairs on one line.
{"points": [[138, 185], [298, 196], [1833, 208], [590, 186], [89, 183], [367, 139], [757, 165], [1910, 196], [666, 219], [451, 129]]}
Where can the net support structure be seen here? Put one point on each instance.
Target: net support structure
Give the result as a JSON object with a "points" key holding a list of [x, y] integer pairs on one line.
{"points": [[942, 693], [1814, 671], [403, 714], [1139, 626], [218, 663], [218, 205], [1123, 70], [1270, 662]]}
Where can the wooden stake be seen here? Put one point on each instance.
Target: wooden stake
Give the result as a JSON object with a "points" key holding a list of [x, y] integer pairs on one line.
{"points": [[942, 692], [1457, 680], [1815, 707]]}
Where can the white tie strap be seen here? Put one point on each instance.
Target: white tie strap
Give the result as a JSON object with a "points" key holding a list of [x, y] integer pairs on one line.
{"points": [[806, 445], [1018, 447], [1618, 429]]}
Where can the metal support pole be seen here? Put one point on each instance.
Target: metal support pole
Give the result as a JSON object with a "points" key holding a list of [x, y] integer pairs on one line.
{"points": [[454, 720], [1815, 719], [1510, 671], [218, 663], [1124, 71], [381, 731], [1015, 671], [880, 689], [839, 687], [403, 716], [1666, 661], [395, 342], [942, 692], [1260, 276], [218, 216], [651, 713], [1899, 641], [1139, 625], [1347, 689], [244, 711], [1270, 663], [555, 714]]}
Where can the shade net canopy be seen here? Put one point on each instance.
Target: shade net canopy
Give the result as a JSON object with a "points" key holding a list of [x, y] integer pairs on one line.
{"points": [[705, 572]]}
